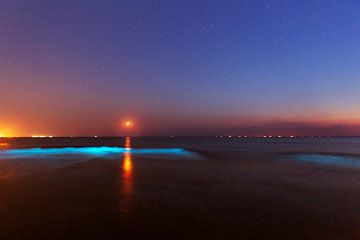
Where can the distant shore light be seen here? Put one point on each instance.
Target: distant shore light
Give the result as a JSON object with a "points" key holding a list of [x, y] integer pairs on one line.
{"points": [[41, 136]]}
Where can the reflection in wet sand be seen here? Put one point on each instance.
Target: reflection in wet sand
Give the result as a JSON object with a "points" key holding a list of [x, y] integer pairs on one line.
{"points": [[9, 173], [3, 145], [6, 172], [127, 179]]}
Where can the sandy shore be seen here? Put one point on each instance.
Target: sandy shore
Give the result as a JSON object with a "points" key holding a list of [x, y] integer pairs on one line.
{"points": [[231, 195]]}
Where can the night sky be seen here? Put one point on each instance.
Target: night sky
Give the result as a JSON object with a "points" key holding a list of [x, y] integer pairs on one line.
{"points": [[186, 67]]}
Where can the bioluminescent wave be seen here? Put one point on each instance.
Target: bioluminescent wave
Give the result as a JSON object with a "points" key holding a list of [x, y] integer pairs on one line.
{"points": [[339, 160], [92, 152]]}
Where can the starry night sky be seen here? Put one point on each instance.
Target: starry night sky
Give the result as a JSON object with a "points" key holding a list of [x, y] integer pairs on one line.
{"points": [[186, 67]]}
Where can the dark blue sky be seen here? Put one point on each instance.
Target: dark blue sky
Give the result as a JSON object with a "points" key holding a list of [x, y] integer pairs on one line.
{"points": [[173, 67]]}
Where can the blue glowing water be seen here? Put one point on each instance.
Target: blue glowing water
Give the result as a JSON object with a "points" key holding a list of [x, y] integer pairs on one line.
{"points": [[103, 152], [339, 160]]}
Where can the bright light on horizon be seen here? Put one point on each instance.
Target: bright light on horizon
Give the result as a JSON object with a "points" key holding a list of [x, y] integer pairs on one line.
{"points": [[41, 136], [128, 124]]}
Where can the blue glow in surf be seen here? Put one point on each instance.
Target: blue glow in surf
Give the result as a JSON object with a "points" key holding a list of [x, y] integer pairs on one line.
{"points": [[104, 152], [338, 160]]}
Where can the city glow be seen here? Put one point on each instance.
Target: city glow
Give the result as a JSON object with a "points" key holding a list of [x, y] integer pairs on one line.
{"points": [[6, 132]]}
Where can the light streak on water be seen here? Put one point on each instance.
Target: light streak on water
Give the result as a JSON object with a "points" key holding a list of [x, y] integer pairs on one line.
{"points": [[127, 180], [338, 160]]}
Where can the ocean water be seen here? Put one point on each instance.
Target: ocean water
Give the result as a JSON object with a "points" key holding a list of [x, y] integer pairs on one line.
{"points": [[179, 188], [326, 144], [338, 151]]}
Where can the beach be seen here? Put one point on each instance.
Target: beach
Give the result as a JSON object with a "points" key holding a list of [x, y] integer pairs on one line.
{"points": [[229, 189]]}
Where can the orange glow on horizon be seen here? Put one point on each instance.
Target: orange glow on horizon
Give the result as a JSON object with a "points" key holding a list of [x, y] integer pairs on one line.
{"points": [[296, 125]]}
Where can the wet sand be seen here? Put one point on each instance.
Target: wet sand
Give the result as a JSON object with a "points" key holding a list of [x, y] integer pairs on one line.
{"points": [[229, 195]]}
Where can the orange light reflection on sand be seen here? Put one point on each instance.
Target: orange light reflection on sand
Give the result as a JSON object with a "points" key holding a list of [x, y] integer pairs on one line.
{"points": [[4, 144], [127, 179], [127, 172], [6, 172]]}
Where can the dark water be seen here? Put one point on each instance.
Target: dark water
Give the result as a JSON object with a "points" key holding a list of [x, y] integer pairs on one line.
{"points": [[333, 145], [179, 188]]}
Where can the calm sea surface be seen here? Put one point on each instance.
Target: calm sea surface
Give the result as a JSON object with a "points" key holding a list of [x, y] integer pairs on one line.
{"points": [[332, 145], [180, 188]]}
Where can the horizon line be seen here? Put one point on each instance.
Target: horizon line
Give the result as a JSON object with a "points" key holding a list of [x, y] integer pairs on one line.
{"points": [[190, 136]]}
